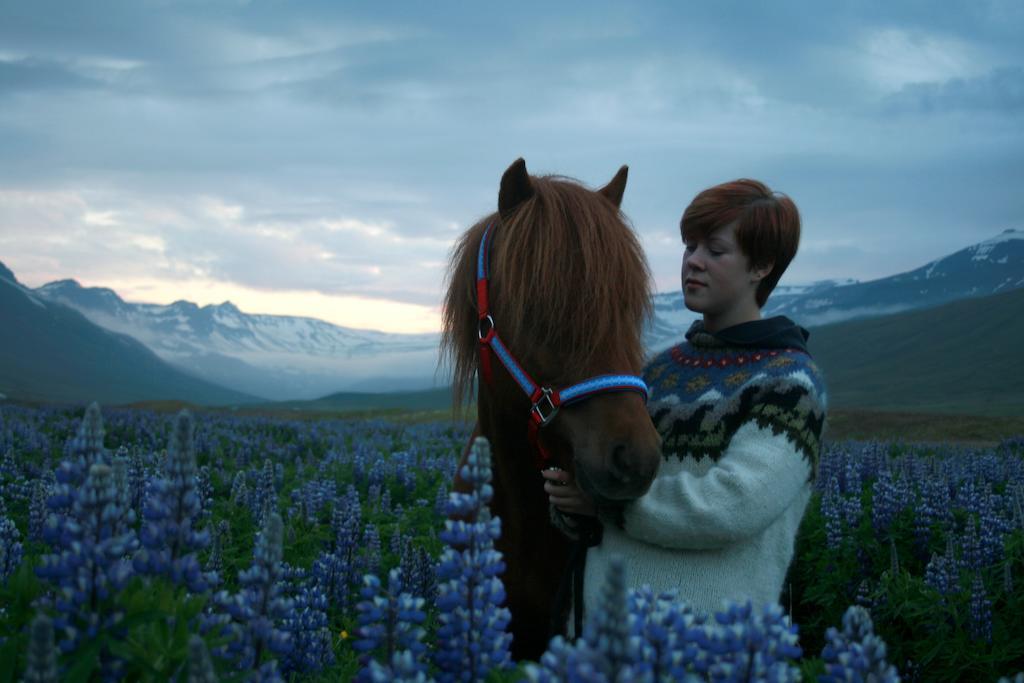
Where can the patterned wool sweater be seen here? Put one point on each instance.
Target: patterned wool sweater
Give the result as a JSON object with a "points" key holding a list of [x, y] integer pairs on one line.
{"points": [[741, 414]]}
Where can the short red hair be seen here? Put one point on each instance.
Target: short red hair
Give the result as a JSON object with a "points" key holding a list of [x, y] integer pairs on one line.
{"points": [[767, 225]]}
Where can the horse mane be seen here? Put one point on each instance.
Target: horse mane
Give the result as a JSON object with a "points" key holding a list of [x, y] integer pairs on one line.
{"points": [[567, 272]]}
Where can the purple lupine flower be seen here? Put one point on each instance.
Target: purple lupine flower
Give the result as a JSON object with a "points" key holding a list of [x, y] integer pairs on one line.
{"points": [[41, 655], [853, 482], [371, 549], [666, 629], [885, 503], [968, 496], [441, 500], [8, 465], [399, 541], [170, 542], [311, 498], [856, 653], [993, 526], [750, 644], [942, 573], [832, 510], [1016, 505], [373, 496], [666, 640], [86, 448], [264, 496], [972, 558], [863, 596], [390, 623], [312, 647], [204, 491], [136, 480], [418, 568], [852, 510], [200, 667], [981, 611], [609, 649], [81, 452], [10, 548], [88, 565], [932, 507], [258, 609], [375, 477], [607, 631], [403, 668], [472, 636], [239, 489], [333, 576], [337, 571], [37, 510]]}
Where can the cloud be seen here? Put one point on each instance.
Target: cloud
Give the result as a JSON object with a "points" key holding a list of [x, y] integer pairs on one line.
{"points": [[341, 148], [1000, 91], [209, 238], [894, 58], [31, 74]]}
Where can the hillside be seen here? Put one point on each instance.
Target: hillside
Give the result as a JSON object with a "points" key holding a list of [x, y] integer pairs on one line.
{"points": [[962, 357], [428, 399], [52, 353]]}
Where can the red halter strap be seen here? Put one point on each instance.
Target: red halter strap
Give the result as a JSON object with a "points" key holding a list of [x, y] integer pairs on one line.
{"points": [[545, 400]]}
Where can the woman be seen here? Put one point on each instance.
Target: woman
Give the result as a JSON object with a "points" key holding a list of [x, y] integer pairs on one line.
{"points": [[740, 408]]}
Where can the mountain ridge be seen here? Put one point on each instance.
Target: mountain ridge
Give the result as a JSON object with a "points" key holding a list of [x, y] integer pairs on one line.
{"points": [[302, 358], [58, 355], [987, 267]]}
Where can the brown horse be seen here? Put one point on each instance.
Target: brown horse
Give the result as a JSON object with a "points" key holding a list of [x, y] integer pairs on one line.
{"points": [[569, 292]]}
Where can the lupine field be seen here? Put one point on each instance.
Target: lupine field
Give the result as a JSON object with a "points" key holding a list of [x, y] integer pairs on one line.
{"points": [[145, 546]]}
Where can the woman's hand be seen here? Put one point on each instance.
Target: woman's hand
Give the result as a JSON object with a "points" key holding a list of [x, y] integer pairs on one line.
{"points": [[565, 495]]}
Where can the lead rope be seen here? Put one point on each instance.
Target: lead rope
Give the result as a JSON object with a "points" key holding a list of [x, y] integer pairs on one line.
{"points": [[590, 531]]}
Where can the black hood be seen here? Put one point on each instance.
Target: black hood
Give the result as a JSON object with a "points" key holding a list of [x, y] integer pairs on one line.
{"points": [[778, 332]]}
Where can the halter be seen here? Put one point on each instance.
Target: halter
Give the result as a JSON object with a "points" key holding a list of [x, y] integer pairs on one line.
{"points": [[546, 401]]}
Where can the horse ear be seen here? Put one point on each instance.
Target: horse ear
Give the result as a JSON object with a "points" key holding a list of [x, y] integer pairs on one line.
{"points": [[617, 187], [515, 187]]}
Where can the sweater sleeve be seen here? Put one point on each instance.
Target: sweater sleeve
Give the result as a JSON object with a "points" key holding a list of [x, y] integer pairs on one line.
{"points": [[756, 479]]}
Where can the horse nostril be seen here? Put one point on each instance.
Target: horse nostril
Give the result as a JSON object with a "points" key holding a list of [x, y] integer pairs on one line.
{"points": [[620, 463]]}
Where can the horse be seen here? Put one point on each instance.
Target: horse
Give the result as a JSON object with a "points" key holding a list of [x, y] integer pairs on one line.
{"points": [[567, 286]]}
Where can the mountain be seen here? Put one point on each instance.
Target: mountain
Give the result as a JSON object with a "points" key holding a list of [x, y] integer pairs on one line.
{"points": [[275, 357], [989, 267], [963, 357], [52, 353], [282, 358], [672, 318]]}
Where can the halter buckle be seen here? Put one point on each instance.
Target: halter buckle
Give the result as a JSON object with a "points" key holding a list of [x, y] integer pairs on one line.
{"points": [[485, 327], [537, 411]]}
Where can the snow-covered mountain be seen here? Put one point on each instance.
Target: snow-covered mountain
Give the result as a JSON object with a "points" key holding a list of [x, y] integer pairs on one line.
{"points": [[50, 352], [276, 357], [288, 358], [672, 318], [989, 267]]}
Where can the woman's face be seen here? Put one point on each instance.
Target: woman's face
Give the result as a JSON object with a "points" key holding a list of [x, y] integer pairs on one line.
{"points": [[716, 278]]}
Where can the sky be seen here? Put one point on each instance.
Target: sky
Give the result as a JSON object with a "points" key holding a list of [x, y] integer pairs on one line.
{"points": [[320, 158]]}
